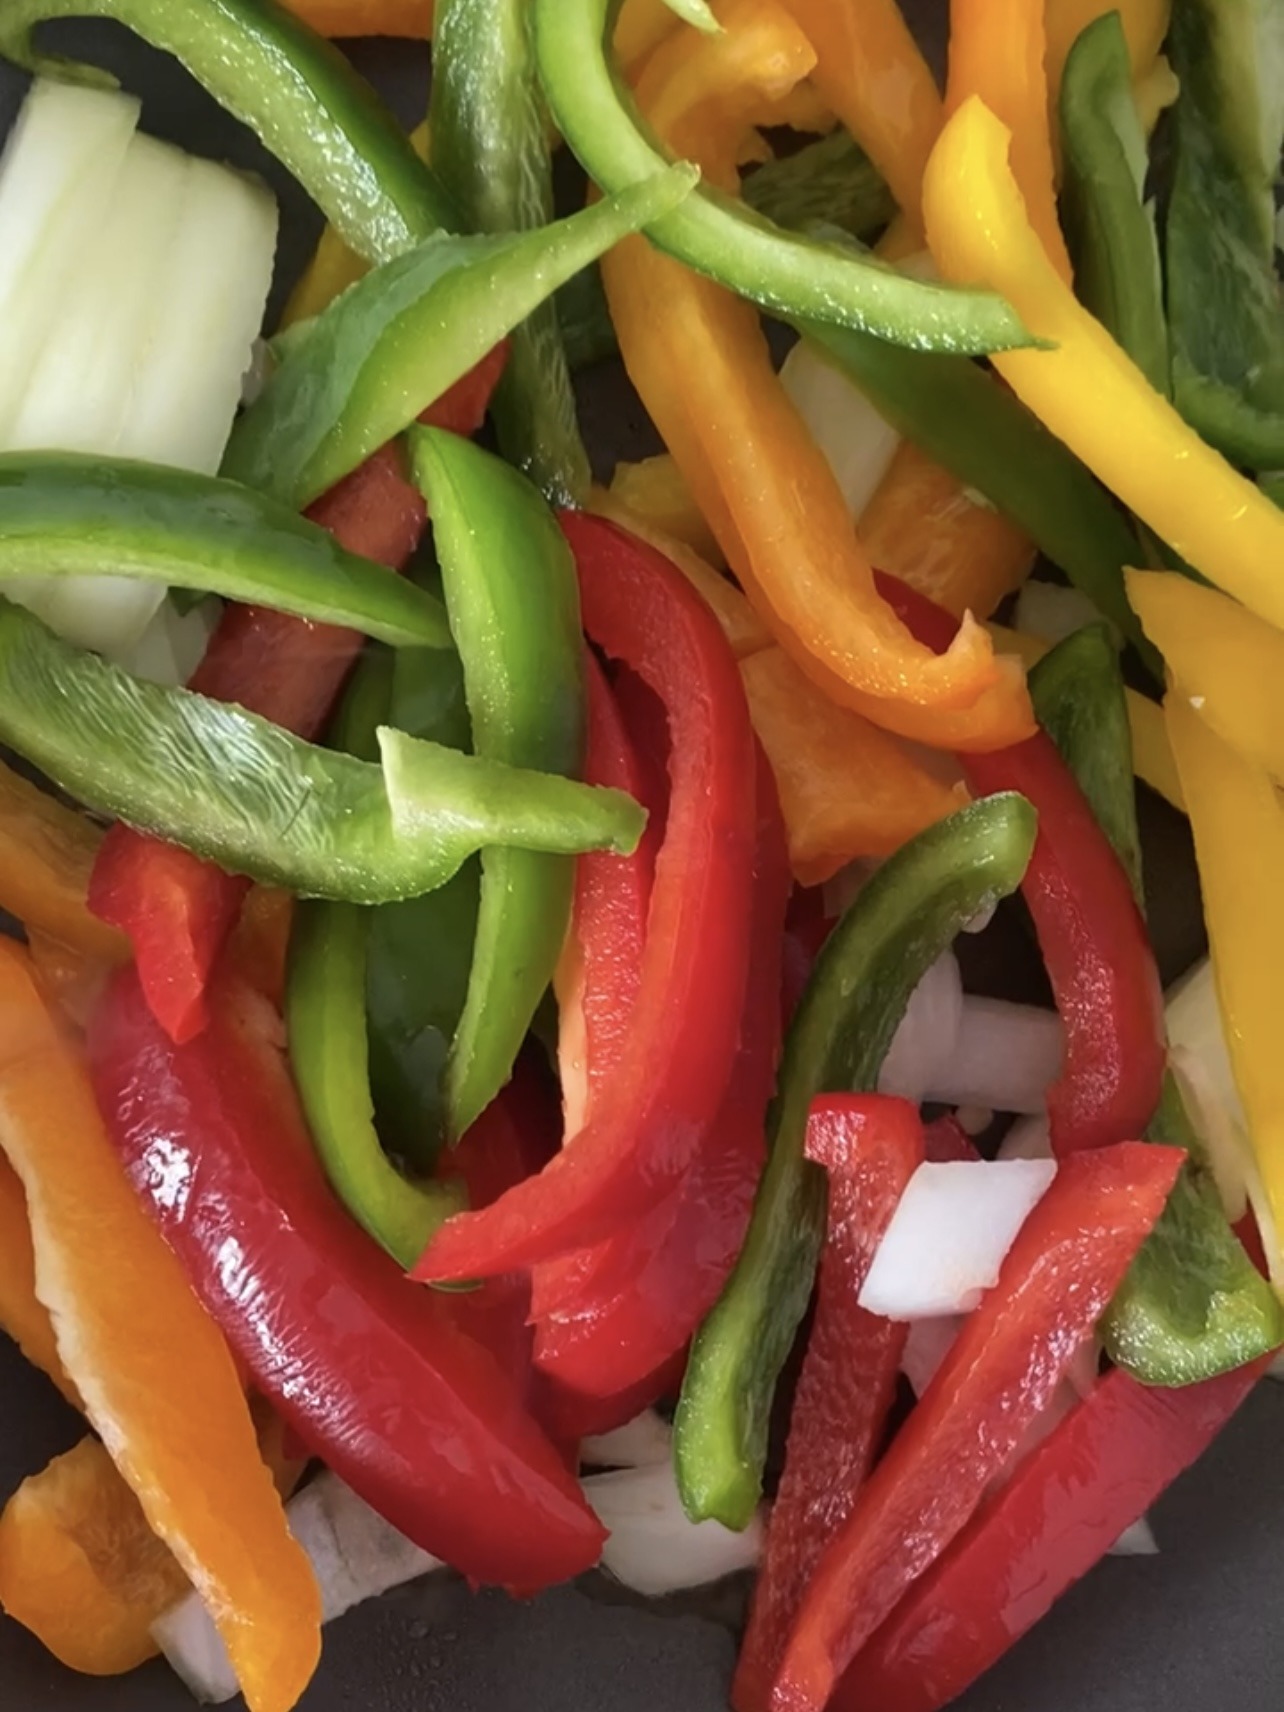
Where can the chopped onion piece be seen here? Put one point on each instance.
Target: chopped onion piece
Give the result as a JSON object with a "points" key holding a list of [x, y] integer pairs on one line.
{"points": [[926, 1347], [1052, 611], [1201, 1063], [640, 1443], [653, 1548], [1136, 1541], [858, 444], [949, 1236], [173, 644], [1029, 1138]]}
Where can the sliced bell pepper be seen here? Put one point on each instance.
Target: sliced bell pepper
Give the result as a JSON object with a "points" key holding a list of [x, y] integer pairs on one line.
{"points": [[1238, 823], [176, 910], [655, 493], [47, 853], [633, 1305], [869, 1147], [340, 18], [490, 149], [1084, 389], [898, 925], [832, 179], [872, 73], [1145, 24], [640, 27], [997, 54], [302, 97], [1222, 657], [1010, 1355], [23, 1316], [784, 273], [168, 1403], [641, 611], [511, 592], [376, 358], [1068, 1502], [390, 1386], [926, 527]]}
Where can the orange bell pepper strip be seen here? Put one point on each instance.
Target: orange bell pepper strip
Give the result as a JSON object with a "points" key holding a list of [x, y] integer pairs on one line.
{"points": [[704, 371], [640, 28], [870, 70], [1084, 388], [155, 1376], [340, 18], [929, 530], [1145, 24], [997, 52], [47, 852], [22, 1315]]}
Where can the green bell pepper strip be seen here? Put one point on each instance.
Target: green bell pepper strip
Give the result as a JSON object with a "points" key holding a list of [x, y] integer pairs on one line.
{"points": [[965, 419], [1109, 227], [511, 591], [62, 514], [369, 364], [1192, 1304], [244, 793], [1226, 319], [297, 92], [1078, 693], [896, 927], [490, 148], [716, 234]]}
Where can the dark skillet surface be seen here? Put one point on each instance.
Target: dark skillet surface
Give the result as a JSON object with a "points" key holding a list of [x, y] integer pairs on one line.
{"points": [[1197, 1629]]}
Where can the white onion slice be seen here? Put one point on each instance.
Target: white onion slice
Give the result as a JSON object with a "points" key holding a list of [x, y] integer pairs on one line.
{"points": [[1052, 611], [640, 1443], [857, 443], [173, 644], [1029, 1138], [949, 1235], [1201, 1063], [927, 1344], [652, 1547], [1138, 1540]]}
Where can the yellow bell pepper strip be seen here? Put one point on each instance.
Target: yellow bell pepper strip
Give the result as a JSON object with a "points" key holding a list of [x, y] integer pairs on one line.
{"points": [[942, 538], [1223, 658], [997, 53], [1084, 388], [705, 374], [1145, 24], [343, 18], [846, 788], [656, 491], [1238, 823], [22, 1315], [872, 73], [47, 852], [1154, 92], [156, 1377]]}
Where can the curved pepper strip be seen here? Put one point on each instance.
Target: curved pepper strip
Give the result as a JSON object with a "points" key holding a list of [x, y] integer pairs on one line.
{"points": [[635, 1302], [1098, 1472], [648, 1125], [997, 52], [705, 374], [23, 1317], [1011, 1353], [155, 1376], [511, 592], [340, 18], [176, 910], [47, 853], [1085, 389], [1145, 24], [784, 273], [870, 1147], [307, 104], [389, 1386], [1238, 823], [897, 926]]}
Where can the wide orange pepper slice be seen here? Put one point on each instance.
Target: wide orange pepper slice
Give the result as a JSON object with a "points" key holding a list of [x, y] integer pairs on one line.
{"points": [[154, 1373], [703, 369]]}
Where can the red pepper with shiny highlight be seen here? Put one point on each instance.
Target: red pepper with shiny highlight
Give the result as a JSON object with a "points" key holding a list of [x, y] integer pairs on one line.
{"points": [[649, 1123], [176, 910]]}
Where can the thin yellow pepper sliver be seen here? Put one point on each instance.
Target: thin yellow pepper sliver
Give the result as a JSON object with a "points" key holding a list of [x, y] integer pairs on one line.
{"points": [[1084, 388]]}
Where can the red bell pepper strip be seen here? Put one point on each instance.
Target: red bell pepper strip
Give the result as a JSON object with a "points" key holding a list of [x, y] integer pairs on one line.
{"points": [[639, 1297], [1067, 1504], [669, 1084], [1056, 1282], [1090, 930], [947, 1142], [380, 1379], [870, 1146], [177, 910]]}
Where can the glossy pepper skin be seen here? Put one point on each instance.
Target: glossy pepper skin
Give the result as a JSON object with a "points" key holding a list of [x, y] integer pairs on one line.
{"points": [[513, 599], [1001, 1372], [869, 1147], [897, 926], [176, 910], [307, 104], [388, 1386], [1099, 1471], [639, 610]]}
